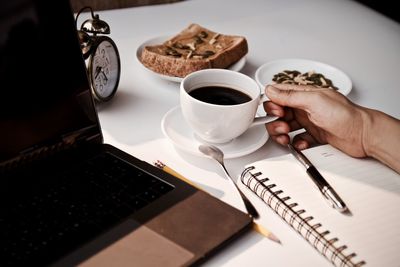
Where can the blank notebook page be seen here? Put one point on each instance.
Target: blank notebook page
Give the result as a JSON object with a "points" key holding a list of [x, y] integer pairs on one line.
{"points": [[370, 190]]}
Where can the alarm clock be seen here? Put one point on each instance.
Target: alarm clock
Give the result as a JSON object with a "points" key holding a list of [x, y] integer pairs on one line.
{"points": [[101, 55]]}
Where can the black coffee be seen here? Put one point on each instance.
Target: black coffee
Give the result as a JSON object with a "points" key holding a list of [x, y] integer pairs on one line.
{"points": [[220, 95]]}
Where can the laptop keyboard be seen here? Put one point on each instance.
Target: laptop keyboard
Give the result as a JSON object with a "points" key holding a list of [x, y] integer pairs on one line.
{"points": [[83, 203]]}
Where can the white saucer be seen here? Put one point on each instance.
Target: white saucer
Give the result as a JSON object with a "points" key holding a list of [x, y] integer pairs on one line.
{"points": [[266, 72], [159, 40], [175, 128]]}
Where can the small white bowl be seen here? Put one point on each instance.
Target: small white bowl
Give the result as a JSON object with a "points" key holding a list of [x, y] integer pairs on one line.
{"points": [[266, 72]]}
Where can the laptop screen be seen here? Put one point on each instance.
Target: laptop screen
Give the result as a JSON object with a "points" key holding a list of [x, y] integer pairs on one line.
{"points": [[45, 96]]}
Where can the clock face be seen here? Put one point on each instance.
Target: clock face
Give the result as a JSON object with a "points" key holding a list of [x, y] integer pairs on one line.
{"points": [[104, 68]]}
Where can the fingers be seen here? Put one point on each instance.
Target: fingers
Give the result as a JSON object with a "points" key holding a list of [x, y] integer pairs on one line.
{"points": [[279, 130], [295, 87], [304, 140], [303, 97], [298, 107], [277, 110], [301, 141], [281, 139], [277, 127], [295, 97], [274, 109]]}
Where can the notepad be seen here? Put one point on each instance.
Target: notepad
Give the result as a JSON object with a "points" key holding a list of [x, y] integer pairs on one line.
{"points": [[371, 190]]}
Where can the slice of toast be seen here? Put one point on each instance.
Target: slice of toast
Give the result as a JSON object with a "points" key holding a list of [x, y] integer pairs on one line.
{"points": [[194, 48]]}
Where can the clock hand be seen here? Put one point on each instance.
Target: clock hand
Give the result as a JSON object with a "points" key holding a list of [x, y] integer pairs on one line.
{"points": [[98, 70], [105, 76]]}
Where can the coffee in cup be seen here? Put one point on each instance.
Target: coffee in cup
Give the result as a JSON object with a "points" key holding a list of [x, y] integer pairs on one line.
{"points": [[220, 105]]}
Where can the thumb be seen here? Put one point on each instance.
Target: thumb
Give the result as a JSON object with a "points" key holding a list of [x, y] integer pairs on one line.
{"points": [[288, 96]]}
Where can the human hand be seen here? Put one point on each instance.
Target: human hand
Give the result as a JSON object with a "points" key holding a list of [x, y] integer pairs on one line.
{"points": [[326, 115]]}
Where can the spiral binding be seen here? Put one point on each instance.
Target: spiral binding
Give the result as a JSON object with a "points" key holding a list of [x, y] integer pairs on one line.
{"points": [[302, 224]]}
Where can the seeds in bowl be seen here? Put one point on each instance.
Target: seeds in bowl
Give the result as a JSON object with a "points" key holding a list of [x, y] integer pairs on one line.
{"points": [[307, 78]]}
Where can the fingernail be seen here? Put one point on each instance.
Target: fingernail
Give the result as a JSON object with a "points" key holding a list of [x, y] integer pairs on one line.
{"points": [[301, 145], [280, 129], [281, 139], [276, 112]]}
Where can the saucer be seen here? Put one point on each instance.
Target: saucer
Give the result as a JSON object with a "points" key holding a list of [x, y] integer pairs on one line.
{"points": [[266, 72], [237, 66], [178, 132]]}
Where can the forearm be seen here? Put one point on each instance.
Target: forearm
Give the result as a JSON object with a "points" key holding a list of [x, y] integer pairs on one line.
{"points": [[382, 138]]}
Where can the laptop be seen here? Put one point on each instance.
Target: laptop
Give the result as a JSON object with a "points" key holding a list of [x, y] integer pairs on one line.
{"points": [[66, 198]]}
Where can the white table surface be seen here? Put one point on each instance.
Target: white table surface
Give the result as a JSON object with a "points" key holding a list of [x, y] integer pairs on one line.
{"points": [[359, 41]]}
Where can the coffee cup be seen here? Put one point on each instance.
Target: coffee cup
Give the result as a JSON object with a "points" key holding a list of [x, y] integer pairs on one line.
{"points": [[219, 105]]}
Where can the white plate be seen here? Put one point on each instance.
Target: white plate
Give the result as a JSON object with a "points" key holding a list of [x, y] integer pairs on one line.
{"points": [[159, 40], [175, 128], [266, 72]]}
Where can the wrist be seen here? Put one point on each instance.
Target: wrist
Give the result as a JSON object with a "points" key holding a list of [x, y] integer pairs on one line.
{"points": [[370, 128], [380, 137], [375, 131]]}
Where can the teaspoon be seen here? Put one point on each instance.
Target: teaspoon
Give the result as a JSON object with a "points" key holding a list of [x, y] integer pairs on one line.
{"points": [[215, 153]]}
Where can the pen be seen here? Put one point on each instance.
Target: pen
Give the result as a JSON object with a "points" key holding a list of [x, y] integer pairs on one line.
{"points": [[258, 228], [326, 190]]}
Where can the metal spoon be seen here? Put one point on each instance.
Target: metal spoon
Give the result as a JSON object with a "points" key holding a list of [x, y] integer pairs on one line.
{"points": [[215, 153]]}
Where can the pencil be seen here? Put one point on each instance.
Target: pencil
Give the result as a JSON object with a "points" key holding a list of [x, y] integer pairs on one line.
{"points": [[257, 227]]}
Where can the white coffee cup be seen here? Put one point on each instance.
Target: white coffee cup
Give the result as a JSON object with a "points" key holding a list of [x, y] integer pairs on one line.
{"points": [[220, 123]]}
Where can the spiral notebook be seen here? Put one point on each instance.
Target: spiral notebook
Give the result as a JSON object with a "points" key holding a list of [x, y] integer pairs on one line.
{"points": [[370, 236]]}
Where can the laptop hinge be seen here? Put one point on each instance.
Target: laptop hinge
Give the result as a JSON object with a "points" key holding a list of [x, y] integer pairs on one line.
{"points": [[68, 141]]}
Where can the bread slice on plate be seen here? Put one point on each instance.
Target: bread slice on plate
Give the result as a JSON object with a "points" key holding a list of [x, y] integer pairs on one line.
{"points": [[194, 48]]}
